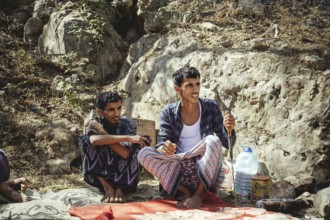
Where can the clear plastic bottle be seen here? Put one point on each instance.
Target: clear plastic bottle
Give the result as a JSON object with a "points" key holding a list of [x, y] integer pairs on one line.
{"points": [[246, 166]]}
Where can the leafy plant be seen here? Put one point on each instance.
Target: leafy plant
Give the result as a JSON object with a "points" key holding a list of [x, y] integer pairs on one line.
{"points": [[99, 12], [68, 86], [71, 60]]}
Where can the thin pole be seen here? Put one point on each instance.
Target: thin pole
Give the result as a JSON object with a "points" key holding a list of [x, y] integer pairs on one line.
{"points": [[230, 146]]}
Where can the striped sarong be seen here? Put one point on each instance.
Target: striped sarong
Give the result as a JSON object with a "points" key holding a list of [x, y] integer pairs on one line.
{"points": [[4, 167], [206, 155]]}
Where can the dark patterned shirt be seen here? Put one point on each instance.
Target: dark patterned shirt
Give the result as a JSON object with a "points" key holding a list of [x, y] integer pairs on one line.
{"points": [[4, 167], [211, 123], [101, 161]]}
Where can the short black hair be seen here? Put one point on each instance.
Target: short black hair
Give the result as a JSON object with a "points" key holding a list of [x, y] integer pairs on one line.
{"points": [[106, 97], [185, 72]]}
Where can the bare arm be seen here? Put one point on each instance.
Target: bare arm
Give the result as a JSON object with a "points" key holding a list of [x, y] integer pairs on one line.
{"points": [[114, 141], [103, 139]]}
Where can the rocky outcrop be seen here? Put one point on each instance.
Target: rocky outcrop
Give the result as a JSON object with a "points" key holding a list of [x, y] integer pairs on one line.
{"points": [[32, 30], [71, 31], [281, 102], [43, 9], [275, 99], [322, 202]]}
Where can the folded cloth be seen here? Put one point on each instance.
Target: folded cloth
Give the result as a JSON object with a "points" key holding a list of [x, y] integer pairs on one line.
{"points": [[105, 215], [96, 212], [126, 210]]}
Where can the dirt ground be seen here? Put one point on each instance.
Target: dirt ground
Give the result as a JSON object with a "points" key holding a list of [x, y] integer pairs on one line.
{"points": [[26, 93]]}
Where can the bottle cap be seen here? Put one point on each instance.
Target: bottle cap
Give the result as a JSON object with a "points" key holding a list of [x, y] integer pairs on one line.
{"points": [[247, 149]]}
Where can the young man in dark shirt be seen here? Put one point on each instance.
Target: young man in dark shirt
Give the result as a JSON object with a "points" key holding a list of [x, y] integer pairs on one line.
{"points": [[110, 147]]}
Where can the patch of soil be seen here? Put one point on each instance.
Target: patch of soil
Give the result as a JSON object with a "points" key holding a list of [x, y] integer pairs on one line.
{"points": [[27, 97]]}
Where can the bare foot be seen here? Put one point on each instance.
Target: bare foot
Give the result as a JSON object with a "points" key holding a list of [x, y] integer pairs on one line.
{"points": [[194, 202], [180, 204], [18, 184], [109, 194], [185, 195], [12, 194], [25, 197], [120, 196]]}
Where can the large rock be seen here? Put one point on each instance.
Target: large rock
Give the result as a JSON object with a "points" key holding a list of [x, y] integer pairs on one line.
{"points": [[161, 15], [322, 202], [70, 31], [137, 50], [32, 30], [43, 9], [281, 105]]}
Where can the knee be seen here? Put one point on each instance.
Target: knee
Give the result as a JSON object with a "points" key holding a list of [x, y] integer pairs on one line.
{"points": [[212, 139], [143, 153]]}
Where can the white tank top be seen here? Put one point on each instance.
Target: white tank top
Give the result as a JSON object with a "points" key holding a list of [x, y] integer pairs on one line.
{"points": [[190, 135]]}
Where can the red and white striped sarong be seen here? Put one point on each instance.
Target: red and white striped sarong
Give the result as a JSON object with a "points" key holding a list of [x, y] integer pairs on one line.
{"points": [[206, 154]]}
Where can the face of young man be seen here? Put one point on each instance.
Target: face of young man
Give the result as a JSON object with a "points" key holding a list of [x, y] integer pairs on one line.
{"points": [[112, 112], [189, 90]]}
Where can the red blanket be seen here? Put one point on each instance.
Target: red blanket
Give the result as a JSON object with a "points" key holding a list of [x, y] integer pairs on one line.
{"points": [[125, 210]]}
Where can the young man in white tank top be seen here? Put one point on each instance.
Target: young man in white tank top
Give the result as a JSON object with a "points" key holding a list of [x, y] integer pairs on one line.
{"points": [[187, 157]]}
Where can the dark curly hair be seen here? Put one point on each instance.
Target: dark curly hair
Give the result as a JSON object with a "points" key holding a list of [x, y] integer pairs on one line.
{"points": [[185, 72], [106, 97]]}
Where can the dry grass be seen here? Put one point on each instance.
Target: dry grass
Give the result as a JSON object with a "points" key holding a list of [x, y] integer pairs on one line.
{"points": [[300, 25], [57, 182]]}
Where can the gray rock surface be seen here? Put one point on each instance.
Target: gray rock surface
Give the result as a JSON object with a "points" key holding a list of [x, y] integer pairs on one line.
{"points": [[322, 202]]}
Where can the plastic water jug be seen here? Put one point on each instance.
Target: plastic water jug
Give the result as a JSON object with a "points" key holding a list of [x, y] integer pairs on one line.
{"points": [[246, 166]]}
